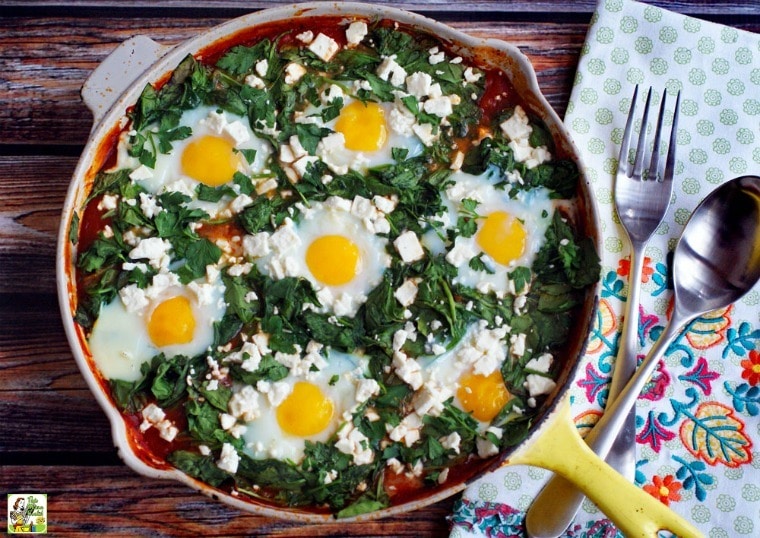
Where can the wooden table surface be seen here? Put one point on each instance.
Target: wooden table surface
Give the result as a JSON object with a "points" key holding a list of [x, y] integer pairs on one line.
{"points": [[55, 439]]}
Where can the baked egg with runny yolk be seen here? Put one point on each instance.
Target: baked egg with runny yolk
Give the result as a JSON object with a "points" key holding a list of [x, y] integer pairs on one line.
{"points": [[305, 406], [508, 232], [210, 160], [333, 260], [139, 324], [363, 126], [363, 136], [219, 145], [334, 249]]}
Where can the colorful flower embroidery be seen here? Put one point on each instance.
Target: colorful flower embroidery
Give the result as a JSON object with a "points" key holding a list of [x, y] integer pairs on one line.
{"points": [[664, 489], [624, 268], [654, 434], [701, 376], [751, 368]]}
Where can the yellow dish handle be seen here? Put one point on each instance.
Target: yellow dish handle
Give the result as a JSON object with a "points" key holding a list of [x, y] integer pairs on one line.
{"points": [[560, 449]]}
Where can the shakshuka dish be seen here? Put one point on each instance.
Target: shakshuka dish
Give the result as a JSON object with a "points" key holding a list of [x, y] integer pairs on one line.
{"points": [[330, 265]]}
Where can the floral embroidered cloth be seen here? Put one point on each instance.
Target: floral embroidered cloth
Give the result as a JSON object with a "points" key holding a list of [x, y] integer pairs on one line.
{"points": [[698, 420]]}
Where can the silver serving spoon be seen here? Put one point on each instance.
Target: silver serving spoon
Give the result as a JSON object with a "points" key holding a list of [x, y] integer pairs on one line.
{"points": [[716, 261]]}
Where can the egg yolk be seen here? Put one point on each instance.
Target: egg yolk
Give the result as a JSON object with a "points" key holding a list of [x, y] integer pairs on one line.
{"points": [[363, 126], [333, 259], [306, 411], [172, 322], [210, 160], [502, 237], [483, 396]]}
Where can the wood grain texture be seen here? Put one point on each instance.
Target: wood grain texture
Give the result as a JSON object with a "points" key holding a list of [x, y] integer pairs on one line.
{"points": [[112, 499], [465, 6], [42, 67]]}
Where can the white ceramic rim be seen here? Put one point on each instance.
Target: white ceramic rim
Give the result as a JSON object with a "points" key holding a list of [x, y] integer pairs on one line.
{"points": [[523, 77]]}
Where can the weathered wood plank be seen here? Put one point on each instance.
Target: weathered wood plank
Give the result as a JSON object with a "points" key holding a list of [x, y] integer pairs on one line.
{"points": [[748, 7], [32, 191], [115, 500], [46, 61]]}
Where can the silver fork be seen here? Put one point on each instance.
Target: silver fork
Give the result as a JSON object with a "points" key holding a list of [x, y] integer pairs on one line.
{"points": [[641, 200]]}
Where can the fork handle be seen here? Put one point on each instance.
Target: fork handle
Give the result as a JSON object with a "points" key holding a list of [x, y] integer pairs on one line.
{"points": [[622, 455]]}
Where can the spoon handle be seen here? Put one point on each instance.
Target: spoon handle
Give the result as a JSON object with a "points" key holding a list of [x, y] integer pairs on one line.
{"points": [[549, 519]]}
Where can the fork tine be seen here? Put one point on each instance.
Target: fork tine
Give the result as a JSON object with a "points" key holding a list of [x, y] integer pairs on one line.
{"points": [[626, 142], [640, 146], [670, 162], [654, 164]]}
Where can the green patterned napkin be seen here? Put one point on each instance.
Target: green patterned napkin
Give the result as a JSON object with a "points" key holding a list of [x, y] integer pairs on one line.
{"points": [[698, 420]]}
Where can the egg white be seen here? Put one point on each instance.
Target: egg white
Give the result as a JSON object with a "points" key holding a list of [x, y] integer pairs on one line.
{"points": [[320, 220], [343, 157], [265, 438], [533, 208], [120, 342]]}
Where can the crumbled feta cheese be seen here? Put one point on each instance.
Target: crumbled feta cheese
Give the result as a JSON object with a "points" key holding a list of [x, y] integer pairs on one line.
{"points": [[149, 205], [542, 363], [257, 245], [485, 447], [436, 56], [293, 73], [240, 202], [418, 84], [470, 75], [261, 67], [389, 70], [517, 344], [408, 246], [385, 204], [140, 173], [266, 186], [244, 404], [204, 450], [462, 252], [408, 370], [429, 400], [451, 442], [408, 430], [439, 106], [401, 120], [354, 443], [305, 37], [538, 384], [324, 47], [228, 459], [227, 421], [133, 298], [108, 202], [425, 133], [355, 32], [365, 389], [362, 207], [517, 126], [285, 237], [153, 249], [331, 93], [237, 132], [407, 292], [153, 414], [457, 161], [254, 82]]}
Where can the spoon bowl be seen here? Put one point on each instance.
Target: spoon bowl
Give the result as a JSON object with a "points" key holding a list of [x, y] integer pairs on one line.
{"points": [[716, 261], [718, 255]]}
